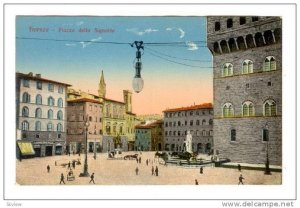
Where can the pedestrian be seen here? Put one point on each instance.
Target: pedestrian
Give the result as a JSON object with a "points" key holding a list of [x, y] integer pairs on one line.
{"points": [[73, 164], [241, 178], [92, 178], [62, 178], [156, 171], [196, 182], [137, 160], [69, 165], [147, 162], [152, 170], [201, 170], [140, 160], [55, 163], [136, 171], [48, 168], [239, 167]]}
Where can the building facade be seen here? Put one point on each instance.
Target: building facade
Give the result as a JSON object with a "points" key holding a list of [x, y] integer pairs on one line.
{"points": [[78, 112], [117, 119], [197, 119], [41, 113], [149, 136], [247, 85]]}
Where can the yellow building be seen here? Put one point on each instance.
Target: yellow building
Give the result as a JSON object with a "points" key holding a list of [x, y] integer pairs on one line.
{"points": [[118, 120]]}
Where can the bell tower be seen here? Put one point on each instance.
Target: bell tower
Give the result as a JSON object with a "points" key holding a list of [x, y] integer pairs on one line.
{"points": [[102, 86], [127, 100]]}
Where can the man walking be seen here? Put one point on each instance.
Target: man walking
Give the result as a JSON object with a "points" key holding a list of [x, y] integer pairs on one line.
{"points": [[156, 171], [62, 178], [201, 170], [136, 171], [239, 167], [92, 178], [196, 182], [152, 170], [48, 168], [241, 178]]}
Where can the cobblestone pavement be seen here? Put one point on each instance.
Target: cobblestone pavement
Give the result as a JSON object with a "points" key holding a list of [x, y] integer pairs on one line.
{"points": [[122, 172]]}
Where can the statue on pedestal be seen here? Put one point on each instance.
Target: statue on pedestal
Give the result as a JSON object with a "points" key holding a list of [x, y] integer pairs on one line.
{"points": [[188, 142]]}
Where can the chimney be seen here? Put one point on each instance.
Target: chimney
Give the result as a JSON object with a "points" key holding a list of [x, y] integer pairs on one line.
{"points": [[38, 75]]}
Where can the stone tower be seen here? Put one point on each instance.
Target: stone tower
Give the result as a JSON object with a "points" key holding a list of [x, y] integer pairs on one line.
{"points": [[247, 84], [127, 100], [102, 86]]}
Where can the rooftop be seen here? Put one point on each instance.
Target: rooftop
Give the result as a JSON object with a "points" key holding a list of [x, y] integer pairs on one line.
{"points": [[193, 107], [83, 100], [38, 77]]}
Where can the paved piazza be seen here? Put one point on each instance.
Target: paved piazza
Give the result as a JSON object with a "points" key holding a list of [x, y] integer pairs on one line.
{"points": [[122, 172]]}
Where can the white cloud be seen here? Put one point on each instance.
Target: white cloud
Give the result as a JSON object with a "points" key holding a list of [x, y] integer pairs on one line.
{"points": [[79, 23], [180, 30], [85, 44], [192, 46], [142, 32], [70, 44], [182, 33]]}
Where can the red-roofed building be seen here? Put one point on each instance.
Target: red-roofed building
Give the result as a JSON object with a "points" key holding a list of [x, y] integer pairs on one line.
{"points": [[118, 120], [198, 119]]}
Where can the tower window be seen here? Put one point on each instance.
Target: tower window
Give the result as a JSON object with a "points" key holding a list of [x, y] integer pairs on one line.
{"points": [[254, 19], [229, 23], [242, 20], [217, 26]]}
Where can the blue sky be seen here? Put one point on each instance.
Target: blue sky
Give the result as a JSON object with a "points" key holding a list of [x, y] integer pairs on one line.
{"points": [[80, 64]]}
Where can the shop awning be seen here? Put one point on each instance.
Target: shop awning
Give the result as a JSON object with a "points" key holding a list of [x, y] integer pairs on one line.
{"points": [[26, 148]]}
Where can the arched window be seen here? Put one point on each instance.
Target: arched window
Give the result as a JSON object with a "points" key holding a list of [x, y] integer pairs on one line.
{"points": [[203, 122], [25, 111], [224, 47], [25, 126], [217, 26], [227, 110], [197, 133], [191, 122], [259, 39], [203, 133], [211, 133], [227, 70], [247, 67], [59, 115], [26, 97], [229, 23], [232, 45], [179, 123], [241, 43], [50, 114], [216, 48], [248, 109], [38, 113], [38, 100], [166, 133], [50, 101], [210, 122], [277, 34], [59, 127], [269, 63], [60, 102], [38, 126], [49, 126], [270, 108], [268, 37], [197, 122], [249, 41]]}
